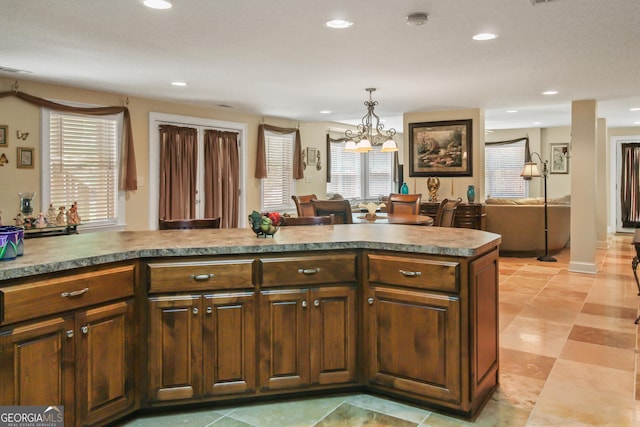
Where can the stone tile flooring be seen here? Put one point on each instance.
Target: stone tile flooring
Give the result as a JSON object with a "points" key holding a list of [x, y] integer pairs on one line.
{"points": [[568, 358]]}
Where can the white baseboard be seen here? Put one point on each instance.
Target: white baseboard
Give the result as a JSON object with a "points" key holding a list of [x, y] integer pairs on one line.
{"points": [[583, 267]]}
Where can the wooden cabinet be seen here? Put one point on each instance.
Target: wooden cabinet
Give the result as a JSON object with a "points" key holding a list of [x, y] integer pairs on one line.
{"points": [[413, 342], [201, 345], [83, 358], [308, 336], [468, 215]]}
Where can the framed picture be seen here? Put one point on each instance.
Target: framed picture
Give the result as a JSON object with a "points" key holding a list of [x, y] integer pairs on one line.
{"points": [[25, 157], [4, 135], [440, 148], [559, 162], [311, 156]]}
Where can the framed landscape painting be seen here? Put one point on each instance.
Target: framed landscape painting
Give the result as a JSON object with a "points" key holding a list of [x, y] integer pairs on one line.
{"points": [[440, 148]]}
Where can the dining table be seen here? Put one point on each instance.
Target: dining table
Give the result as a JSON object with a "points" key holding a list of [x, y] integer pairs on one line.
{"points": [[391, 218]]}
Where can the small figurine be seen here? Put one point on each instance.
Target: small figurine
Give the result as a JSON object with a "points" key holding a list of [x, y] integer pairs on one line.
{"points": [[72, 215], [19, 219], [51, 214], [61, 219], [41, 222]]}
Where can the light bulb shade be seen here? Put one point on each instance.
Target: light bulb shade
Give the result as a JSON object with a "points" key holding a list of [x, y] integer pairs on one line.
{"points": [[363, 146], [389, 146], [351, 147], [530, 170]]}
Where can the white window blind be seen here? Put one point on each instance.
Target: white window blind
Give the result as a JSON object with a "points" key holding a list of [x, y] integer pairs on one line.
{"points": [[503, 164], [83, 165], [278, 186], [358, 176]]}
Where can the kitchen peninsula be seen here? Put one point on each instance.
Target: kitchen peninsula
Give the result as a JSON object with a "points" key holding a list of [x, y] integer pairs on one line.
{"points": [[109, 323]]}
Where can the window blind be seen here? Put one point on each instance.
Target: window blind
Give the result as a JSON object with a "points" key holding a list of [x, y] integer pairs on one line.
{"points": [[360, 176], [83, 162], [278, 186], [503, 165]]}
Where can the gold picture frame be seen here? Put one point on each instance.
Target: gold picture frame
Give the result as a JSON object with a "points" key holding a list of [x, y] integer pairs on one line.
{"points": [[4, 136], [25, 158], [440, 148]]}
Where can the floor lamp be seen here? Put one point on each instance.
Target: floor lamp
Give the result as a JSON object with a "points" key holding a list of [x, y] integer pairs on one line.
{"points": [[531, 170]]}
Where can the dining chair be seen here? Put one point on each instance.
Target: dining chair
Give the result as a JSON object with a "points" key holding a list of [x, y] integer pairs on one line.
{"points": [[185, 224], [308, 220], [303, 204], [446, 213], [404, 203], [340, 208]]}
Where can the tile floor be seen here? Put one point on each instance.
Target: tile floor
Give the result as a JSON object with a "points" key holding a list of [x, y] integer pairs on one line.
{"points": [[568, 358]]}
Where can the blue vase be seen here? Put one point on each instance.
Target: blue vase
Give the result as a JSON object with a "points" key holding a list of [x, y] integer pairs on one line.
{"points": [[471, 194], [404, 189]]}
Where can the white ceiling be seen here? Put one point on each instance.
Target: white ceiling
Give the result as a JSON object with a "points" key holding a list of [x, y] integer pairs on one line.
{"points": [[276, 58]]}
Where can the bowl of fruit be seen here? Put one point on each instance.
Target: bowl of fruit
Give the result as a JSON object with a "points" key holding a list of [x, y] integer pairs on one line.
{"points": [[265, 224]]}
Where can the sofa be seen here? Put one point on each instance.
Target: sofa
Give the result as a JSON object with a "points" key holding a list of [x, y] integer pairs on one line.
{"points": [[520, 222]]}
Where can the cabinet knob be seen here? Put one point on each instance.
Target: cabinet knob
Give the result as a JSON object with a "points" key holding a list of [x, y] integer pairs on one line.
{"points": [[70, 333], [195, 310], [370, 301], [316, 303], [85, 329], [304, 304], [209, 310]]}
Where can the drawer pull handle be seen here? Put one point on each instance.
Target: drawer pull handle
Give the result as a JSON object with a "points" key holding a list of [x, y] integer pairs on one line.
{"points": [[195, 310], [411, 273], [316, 303], [70, 333], [202, 277], [209, 310], [304, 304], [370, 301], [74, 293], [308, 270], [85, 329]]}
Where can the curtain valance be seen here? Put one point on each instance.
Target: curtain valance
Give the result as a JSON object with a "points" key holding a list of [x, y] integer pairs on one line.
{"points": [[129, 180], [261, 157]]}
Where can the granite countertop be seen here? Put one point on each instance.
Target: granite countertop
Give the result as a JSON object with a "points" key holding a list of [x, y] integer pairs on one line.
{"points": [[51, 254]]}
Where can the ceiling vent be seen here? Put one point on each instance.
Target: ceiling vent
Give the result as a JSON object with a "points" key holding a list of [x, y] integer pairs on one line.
{"points": [[13, 70], [535, 2], [417, 18]]}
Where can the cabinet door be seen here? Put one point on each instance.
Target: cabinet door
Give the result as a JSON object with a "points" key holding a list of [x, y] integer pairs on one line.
{"points": [[175, 346], [104, 356], [284, 339], [333, 331], [36, 365], [228, 343], [414, 342]]}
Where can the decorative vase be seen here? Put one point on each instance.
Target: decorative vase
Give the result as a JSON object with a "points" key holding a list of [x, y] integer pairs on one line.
{"points": [[404, 189], [471, 193]]}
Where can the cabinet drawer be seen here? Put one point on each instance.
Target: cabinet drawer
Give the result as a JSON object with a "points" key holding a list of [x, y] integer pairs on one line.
{"points": [[308, 270], [414, 272], [201, 275], [43, 297]]}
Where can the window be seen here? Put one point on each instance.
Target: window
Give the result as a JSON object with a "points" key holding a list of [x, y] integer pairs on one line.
{"points": [[278, 186], [503, 164], [80, 164], [359, 176]]}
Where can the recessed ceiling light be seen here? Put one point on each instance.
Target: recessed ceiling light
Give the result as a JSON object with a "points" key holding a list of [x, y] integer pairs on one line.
{"points": [[325, 112], [550, 92], [512, 111], [484, 36], [179, 83], [536, 123], [634, 109], [157, 4], [338, 24], [419, 18]]}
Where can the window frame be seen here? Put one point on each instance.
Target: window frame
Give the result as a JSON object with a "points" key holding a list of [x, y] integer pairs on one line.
{"points": [[287, 202], [119, 222], [523, 142]]}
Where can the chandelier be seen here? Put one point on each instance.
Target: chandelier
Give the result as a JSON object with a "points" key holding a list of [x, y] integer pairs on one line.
{"points": [[368, 134]]}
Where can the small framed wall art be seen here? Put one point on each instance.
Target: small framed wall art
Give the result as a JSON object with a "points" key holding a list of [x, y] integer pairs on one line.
{"points": [[25, 158], [559, 160], [4, 135]]}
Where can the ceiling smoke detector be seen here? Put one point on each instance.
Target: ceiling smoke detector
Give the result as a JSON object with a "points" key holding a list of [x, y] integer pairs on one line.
{"points": [[417, 18]]}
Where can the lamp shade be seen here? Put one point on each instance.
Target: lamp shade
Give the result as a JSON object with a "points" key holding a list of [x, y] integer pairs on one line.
{"points": [[389, 146], [530, 170], [350, 147], [363, 146]]}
